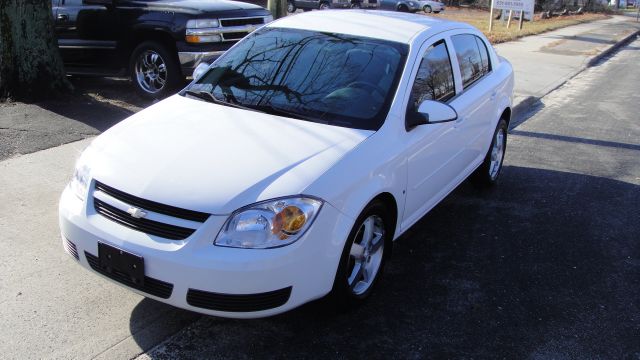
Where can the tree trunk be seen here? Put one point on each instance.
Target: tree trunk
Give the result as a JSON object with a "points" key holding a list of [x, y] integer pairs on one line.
{"points": [[278, 8], [30, 64]]}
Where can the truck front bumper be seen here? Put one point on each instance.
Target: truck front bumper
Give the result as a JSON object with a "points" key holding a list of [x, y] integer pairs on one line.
{"points": [[189, 60]]}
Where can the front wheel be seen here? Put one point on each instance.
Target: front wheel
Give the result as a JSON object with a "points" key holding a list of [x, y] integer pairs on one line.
{"points": [[154, 70], [291, 7], [427, 9], [487, 174], [363, 257], [403, 8], [324, 6]]}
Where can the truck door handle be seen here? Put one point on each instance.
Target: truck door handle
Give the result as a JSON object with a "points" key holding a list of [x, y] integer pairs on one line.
{"points": [[62, 17]]}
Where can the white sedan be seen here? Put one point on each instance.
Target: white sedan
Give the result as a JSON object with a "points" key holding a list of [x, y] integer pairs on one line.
{"points": [[430, 6], [284, 172]]}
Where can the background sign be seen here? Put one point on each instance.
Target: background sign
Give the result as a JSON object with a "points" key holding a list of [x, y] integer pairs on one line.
{"points": [[515, 5]]}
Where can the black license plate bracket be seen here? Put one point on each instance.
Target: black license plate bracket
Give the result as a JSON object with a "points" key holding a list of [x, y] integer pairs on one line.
{"points": [[121, 263]]}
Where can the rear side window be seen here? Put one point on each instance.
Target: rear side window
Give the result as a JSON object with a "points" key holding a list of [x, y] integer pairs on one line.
{"points": [[472, 57], [434, 80]]}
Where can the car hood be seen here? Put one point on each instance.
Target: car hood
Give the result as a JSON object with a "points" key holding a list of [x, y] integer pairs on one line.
{"points": [[211, 158], [192, 6]]}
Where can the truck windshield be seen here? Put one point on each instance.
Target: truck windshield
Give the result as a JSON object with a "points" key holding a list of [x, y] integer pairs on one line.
{"points": [[335, 79]]}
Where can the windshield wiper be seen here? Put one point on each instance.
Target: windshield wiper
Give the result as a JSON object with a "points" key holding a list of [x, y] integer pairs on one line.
{"points": [[281, 112], [209, 97]]}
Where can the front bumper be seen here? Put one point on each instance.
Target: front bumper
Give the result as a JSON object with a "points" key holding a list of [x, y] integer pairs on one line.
{"points": [[199, 273], [189, 60]]}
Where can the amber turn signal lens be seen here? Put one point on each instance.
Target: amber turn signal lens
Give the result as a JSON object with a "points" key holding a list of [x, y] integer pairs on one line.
{"points": [[288, 222], [193, 38]]}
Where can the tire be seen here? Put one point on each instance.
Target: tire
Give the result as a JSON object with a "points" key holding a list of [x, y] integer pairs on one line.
{"points": [[356, 5], [403, 8], [427, 9], [324, 6], [486, 175], [291, 7], [352, 287], [151, 79]]}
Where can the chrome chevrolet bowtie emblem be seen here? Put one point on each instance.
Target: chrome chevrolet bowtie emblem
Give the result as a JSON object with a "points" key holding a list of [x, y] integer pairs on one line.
{"points": [[136, 212]]}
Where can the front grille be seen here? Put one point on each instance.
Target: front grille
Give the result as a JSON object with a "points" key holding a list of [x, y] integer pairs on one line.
{"points": [[150, 227], [235, 35], [238, 303], [71, 248], [242, 22], [151, 286], [152, 205]]}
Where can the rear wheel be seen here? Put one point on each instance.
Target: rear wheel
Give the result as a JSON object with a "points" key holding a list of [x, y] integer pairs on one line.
{"points": [[154, 70], [487, 174], [403, 8], [427, 9], [291, 7], [324, 6], [363, 257]]}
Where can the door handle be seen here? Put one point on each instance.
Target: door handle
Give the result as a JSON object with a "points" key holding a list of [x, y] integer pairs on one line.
{"points": [[493, 95], [62, 17]]}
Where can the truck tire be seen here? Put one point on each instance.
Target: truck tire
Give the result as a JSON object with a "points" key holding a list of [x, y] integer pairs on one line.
{"points": [[154, 70], [291, 7]]}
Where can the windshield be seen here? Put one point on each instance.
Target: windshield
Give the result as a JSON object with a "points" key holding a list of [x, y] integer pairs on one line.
{"points": [[335, 79]]}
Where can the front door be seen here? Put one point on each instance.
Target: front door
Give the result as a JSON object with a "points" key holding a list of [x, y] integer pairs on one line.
{"points": [[433, 148], [86, 36]]}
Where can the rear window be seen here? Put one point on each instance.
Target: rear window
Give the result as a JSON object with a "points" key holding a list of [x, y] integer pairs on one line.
{"points": [[472, 57]]}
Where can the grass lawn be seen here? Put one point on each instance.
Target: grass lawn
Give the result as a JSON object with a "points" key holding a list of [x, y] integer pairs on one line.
{"points": [[500, 33]]}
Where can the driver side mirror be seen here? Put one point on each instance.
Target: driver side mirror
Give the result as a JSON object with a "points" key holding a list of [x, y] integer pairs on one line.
{"points": [[431, 112]]}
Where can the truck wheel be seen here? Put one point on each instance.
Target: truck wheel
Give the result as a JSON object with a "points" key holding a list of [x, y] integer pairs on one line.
{"points": [[427, 9], [291, 7], [324, 6], [154, 70]]}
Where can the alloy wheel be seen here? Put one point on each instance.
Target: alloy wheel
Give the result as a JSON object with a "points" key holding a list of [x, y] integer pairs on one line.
{"points": [[151, 71], [365, 255], [497, 154]]}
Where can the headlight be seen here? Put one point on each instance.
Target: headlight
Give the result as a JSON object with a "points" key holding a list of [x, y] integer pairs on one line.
{"points": [[269, 224], [202, 23], [79, 183]]}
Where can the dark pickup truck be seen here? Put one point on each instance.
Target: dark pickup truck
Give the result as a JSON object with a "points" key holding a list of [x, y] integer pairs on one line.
{"points": [[156, 42]]}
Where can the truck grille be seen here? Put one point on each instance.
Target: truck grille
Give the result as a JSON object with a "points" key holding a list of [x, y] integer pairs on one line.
{"points": [[238, 303], [151, 286], [235, 35], [147, 226], [242, 21]]}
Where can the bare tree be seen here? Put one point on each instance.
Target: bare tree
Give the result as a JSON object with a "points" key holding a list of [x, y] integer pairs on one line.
{"points": [[30, 64]]}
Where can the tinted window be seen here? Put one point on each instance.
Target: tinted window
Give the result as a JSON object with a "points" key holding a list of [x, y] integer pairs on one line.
{"points": [[469, 58], [434, 80], [484, 54], [337, 79]]}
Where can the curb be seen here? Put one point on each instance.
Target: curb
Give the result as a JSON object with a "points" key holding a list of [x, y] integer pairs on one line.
{"points": [[523, 106], [612, 48]]}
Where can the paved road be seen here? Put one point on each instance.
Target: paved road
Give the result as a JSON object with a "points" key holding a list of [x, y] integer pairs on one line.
{"points": [[547, 265]]}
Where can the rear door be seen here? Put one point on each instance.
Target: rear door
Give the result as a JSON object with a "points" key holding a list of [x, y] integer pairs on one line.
{"points": [[476, 102]]}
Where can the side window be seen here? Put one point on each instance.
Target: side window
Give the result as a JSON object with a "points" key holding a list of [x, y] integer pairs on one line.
{"points": [[434, 80], [484, 54], [471, 63]]}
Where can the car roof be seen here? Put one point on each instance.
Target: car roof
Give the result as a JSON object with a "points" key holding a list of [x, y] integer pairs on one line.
{"points": [[386, 25]]}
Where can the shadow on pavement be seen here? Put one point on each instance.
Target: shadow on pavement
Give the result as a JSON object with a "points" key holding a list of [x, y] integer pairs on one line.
{"points": [[545, 265]]}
